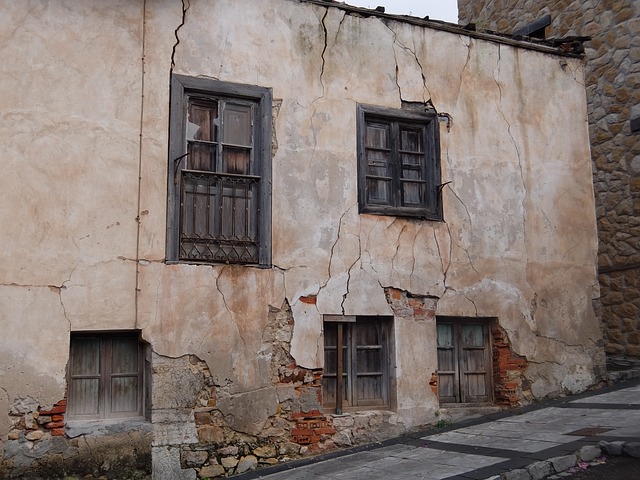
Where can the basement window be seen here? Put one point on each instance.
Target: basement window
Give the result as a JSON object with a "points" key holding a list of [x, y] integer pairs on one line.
{"points": [[399, 162], [106, 376], [356, 362]]}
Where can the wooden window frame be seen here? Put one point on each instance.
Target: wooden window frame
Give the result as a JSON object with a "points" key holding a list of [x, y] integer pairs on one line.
{"points": [[182, 89], [105, 375], [460, 397], [345, 325], [425, 120]]}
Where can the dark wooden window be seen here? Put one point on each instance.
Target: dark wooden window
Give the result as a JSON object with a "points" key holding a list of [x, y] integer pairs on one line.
{"points": [[399, 162], [106, 376], [356, 362], [464, 361], [219, 172]]}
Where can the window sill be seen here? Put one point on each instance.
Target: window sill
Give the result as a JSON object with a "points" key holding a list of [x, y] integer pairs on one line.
{"points": [[349, 410], [76, 428]]}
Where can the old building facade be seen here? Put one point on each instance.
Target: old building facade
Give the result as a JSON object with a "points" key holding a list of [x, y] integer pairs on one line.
{"points": [[237, 232], [613, 96]]}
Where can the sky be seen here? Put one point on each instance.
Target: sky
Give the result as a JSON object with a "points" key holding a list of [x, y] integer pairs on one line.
{"points": [[446, 10]]}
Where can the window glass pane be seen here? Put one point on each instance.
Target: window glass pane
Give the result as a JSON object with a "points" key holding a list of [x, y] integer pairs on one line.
{"points": [[236, 125], [85, 358], [84, 396], [124, 355], [124, 394], [201, 121]]}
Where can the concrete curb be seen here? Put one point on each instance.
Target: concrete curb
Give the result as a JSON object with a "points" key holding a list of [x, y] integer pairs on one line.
{"points": [[550, 468]]}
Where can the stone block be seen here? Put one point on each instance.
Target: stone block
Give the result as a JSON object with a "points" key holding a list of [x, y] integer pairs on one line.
{"points": [[230, 450], [229, 462], [194, 458], [539, 470], [248, 412], [265, 451], [247, 463], [174, 434], [166, 465], [632, 449], [210, 434], [212, 471], [560, 464], [589, 452], [516, 475], [35, 435], [612, 448], [175, 384]]}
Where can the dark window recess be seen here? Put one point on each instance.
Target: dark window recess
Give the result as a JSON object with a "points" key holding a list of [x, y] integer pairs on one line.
{"points": [[106, 377], [535, 29], [356, 363], [464, 361], [220, 163], [399, 162], [635, 125]]}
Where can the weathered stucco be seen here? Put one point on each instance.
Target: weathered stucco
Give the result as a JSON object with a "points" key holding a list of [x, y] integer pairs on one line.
{"points": [[84, 117]]}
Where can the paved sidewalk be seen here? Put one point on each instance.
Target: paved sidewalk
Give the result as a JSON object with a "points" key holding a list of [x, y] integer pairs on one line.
{"points": [[520, 444]]}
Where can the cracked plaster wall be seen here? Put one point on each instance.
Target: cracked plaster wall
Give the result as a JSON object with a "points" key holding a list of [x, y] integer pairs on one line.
{"points": [[69, 145], [519, 217], [515, 225]]}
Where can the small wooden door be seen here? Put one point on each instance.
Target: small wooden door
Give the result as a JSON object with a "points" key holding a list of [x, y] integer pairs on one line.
{"points": [[464, 361]]}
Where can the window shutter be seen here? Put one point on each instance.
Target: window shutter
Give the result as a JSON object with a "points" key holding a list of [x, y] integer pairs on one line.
{"points": [[85, 381], [368, 350]]}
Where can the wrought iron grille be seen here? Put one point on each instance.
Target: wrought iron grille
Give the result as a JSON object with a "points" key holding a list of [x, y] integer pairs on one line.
{"points": [[219, 217]]}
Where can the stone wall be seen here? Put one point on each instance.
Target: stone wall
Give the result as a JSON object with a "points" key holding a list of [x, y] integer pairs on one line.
{"points": [[613, 91]]}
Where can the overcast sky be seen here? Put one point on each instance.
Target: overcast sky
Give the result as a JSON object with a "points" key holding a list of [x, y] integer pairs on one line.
{"points": [[437, 9]]}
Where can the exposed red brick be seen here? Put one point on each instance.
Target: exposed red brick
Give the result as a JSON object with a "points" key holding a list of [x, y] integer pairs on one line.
{"points": [[305, 440], [311, 300], [324, 431], [57, 418], [57, 432], [301, 431], [52, 425], [54, 410]]}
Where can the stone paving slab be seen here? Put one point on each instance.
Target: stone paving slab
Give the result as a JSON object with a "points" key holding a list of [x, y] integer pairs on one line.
{"points": [[523, 445], [629, 396]]}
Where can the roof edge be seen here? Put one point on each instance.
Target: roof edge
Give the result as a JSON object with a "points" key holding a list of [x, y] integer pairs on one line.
{"points": [[565, 47]]}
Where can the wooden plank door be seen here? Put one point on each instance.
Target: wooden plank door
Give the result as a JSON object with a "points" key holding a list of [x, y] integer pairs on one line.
{"points": [[448, 382], [464, 361], [474, 363]]}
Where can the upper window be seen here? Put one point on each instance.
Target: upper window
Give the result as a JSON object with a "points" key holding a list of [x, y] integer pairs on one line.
{"points": [[399, 162], [106, 376], [219, 172], [356, 362]]}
